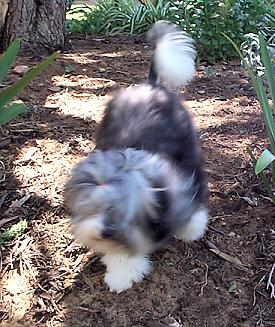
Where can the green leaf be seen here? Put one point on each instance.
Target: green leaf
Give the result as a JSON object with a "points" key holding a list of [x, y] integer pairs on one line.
{"points": [[233, 287], [10, 92], [8, 58], [267, 113], [268, 68], [263, 177], [265, 159], [15, 231], [68, 69], [11, 111], [262, 96]]}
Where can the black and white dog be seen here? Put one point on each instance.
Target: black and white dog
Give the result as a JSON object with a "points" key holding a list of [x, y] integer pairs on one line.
{"points": [[144, 183]]}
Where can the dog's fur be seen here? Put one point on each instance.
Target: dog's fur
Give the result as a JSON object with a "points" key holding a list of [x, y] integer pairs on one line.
{"points": [[145, 182]]}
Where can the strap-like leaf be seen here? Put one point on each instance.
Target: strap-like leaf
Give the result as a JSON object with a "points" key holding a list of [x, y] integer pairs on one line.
{"points": [[268, 68], [7, 113], [265, 159], [8, 58], [7, 95]]}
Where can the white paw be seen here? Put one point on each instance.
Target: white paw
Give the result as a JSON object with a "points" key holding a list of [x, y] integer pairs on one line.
{"points": [[195, 228], [118, 283], [124, 270]]}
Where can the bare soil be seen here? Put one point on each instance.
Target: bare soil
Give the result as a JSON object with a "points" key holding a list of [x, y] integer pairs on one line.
{"points": [[48, 280]]}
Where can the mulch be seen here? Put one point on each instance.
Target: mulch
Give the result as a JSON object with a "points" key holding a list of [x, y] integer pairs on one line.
{"points": [[225, 279]]}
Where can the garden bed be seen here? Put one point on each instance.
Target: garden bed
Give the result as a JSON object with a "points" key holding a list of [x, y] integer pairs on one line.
{"points": [[47, 280]]}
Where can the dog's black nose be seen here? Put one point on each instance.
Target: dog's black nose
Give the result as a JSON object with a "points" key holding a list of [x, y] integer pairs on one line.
{"points": [[108, 233]]}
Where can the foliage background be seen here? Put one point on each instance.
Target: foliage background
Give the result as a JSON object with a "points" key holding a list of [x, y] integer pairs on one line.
{"points": [[204, 20]]}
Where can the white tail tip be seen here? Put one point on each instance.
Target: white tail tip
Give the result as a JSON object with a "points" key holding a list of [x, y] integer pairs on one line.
{"points": [[175, 53]]}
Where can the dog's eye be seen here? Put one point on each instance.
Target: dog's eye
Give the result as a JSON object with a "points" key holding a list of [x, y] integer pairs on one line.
{"points": [[108, 233]]}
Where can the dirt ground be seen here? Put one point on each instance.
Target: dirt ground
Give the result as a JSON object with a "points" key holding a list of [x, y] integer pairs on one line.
{"points": [[48, 280]]}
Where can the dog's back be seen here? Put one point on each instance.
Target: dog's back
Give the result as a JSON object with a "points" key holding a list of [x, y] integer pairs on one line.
{"points": [[151, 118]]}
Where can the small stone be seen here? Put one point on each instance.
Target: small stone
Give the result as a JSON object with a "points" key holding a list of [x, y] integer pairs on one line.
{"points": [[232, 234], [21, 69], [52, 106], [54, 88], [243, 101], [101, 69], [235, 62], [243, 81], [221, 98]]}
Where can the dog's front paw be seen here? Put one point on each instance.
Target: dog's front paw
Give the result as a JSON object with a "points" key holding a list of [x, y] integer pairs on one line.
{"points": [[124, 270], [195, 228], [117, 282]]}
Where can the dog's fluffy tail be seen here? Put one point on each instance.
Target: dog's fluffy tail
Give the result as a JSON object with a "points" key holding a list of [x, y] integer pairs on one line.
{"points": [[174, 58]]}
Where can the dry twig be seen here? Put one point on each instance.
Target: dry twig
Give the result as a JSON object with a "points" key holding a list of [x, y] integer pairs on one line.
{"points": [[2, 174], [235, 261], [270, 284], [206, 281], [255, 290]]}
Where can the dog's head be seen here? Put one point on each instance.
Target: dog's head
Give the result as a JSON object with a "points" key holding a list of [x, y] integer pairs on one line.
{"points": [[117, 199]]}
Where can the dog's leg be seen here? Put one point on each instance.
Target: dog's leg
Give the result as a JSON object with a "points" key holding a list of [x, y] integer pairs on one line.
{"points": [[124, 269], [195, 228]]}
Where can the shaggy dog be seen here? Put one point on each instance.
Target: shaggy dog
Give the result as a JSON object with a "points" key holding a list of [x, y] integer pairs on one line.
{"points": [[144, 183]]}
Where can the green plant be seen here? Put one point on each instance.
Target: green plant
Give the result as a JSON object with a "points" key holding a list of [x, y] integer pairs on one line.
{"points": [[14, 231], [269, 28], [203, 19], [142, 16], [267, 158], [119, 17], [9, 109]]}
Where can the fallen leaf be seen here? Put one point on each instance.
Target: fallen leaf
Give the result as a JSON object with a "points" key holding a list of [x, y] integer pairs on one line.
{"points": [[54, 88], [3, 198], [4, 221], [45, 296], [42, 305], [253, 202], [18, 203], [5, 142], [226, 256]]}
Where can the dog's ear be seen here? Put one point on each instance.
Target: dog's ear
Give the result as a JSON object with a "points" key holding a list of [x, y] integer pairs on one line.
{"points": [[162, 201], [158, 226]]}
